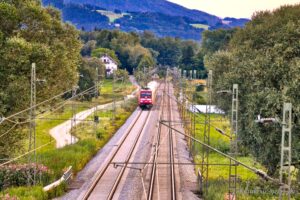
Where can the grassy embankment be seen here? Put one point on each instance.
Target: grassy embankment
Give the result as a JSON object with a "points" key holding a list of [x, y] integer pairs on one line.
{"points": [[250, 186], [91, 139]]}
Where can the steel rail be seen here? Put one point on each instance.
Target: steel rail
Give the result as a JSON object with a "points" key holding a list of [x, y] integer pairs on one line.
{"points": [[171, 149], [120, 175], [154, 163], [102, 172]]}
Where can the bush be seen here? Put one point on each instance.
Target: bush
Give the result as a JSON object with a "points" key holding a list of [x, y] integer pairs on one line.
{"points": [[16, 175], [199, 88], [198, 98]]}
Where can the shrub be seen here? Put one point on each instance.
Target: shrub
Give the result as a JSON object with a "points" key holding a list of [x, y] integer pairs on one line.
{"points": [[17, 175]]}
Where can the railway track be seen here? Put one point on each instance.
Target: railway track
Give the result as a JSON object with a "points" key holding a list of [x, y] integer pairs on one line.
{"points": [[162, 184], [107, 180]]}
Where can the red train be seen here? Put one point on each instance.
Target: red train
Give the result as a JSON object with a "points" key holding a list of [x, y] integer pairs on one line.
{"points": [[146, 98]]}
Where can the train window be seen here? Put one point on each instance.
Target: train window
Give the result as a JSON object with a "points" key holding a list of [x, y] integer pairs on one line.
{"points": [[145, 95]]}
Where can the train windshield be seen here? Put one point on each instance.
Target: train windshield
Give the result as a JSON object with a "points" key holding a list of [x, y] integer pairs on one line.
{"points": [[146, 95]]}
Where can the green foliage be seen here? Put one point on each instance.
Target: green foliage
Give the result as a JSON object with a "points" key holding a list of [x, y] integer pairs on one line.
{"points": [[125, 48], [213, 41], [30, 33], [17, 175], [146, 63], [263, 58], [25, 193], [122, 74], [76, 155], [99, 52], [88, 76], [145, 50], [88, 48]]}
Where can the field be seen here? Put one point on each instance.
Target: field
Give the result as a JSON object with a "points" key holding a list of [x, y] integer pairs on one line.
{"points": [[112, 15], [200, 26]]}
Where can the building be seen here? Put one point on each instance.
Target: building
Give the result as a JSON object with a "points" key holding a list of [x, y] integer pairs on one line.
{"points": [[110, 64], [202, 109]]}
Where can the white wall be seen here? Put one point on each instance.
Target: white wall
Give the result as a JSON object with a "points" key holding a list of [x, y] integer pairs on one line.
{"points": [[109, 65]]}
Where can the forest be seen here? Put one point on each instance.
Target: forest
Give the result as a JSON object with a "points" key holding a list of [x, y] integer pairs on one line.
{"points": [[263, 58]]}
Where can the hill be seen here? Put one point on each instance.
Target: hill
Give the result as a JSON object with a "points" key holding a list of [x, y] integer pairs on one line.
{"points": [[156, 6], [158, 16]]}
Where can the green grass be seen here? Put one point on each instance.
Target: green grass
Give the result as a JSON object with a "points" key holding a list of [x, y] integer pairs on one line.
{"points": [[121, 89], [91, 139], [24, 193], [111, 15], [200, 26], [250, 186]]}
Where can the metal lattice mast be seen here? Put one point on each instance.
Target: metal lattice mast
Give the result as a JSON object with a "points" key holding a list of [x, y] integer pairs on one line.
{"points": [[233, 143], [286, 151], [32, 126], [206, 135]]}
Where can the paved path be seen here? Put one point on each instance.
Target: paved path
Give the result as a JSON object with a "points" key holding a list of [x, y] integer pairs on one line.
{"points": [[61, 133]]}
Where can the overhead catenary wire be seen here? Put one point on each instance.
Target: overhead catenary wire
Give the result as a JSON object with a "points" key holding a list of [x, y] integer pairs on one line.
{"points": [[61, 104], [8, 130], [198, 114], [48, 100], [20, 156], [27, 109], [256, 171], [43, 115]]}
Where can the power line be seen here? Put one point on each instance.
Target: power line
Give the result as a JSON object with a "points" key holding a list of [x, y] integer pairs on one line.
{"points": [[18, 157], [8, 130], [27, 109], [43, 116]]}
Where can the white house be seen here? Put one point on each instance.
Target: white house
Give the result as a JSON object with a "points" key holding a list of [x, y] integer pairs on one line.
{"points": [[110, 64]]}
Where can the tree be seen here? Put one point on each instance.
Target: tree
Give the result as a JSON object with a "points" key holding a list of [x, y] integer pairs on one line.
{"points": [[122, 74], [263, 58], [145, 63], [215, 40], [30, 33], [99, 52], [88, 48], [88, 76]]}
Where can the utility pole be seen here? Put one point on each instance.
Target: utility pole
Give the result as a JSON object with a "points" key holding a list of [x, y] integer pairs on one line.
{"points": [[96, 117], [286, 152], [114, 100], [233, 143], [97, 83], [32, 126], [206, 135], [73, 121]]}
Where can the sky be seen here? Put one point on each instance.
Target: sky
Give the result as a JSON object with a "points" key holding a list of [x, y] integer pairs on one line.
{"points": [[233, 8]]}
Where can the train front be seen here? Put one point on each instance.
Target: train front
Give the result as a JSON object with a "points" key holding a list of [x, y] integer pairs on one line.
{"points": [[145, 99]]}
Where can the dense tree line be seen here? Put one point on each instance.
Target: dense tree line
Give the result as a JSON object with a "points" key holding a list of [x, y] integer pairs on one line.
{"points": [[263, 58], [30, 33], [144, 50]]}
